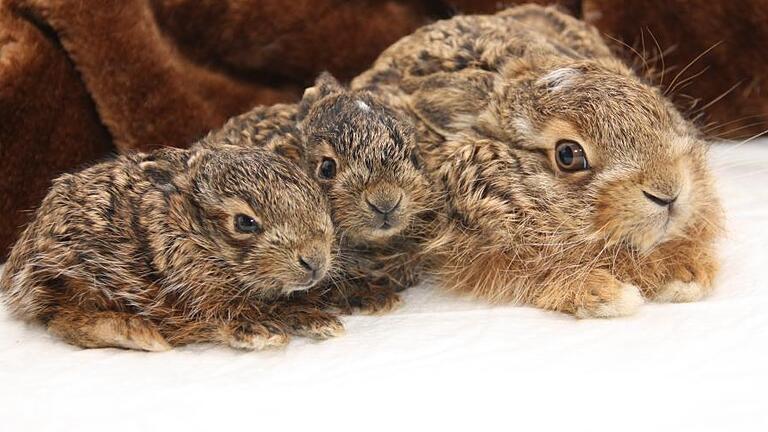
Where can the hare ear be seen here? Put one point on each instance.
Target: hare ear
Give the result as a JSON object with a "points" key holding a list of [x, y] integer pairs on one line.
{"points": [[325, 84], [171, 169], [197, 154], [558, 79], [160, 173], [451, 102], [289, 148]]}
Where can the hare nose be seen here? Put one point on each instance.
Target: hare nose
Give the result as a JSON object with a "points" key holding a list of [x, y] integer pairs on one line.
{"points": [[313, 266], [661, 201], [385, 207]]}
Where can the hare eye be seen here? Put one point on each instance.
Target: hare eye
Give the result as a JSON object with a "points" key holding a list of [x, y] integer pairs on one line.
{"points": [[327, 169], [570, 156], [247, 224]]}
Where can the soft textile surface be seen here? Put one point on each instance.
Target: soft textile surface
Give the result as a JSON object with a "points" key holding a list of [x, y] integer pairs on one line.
{"points": [[442, 361], [80, 79]]}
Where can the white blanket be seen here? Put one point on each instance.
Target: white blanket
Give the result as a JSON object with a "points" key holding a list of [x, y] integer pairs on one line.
{"points": [[443, 362]]}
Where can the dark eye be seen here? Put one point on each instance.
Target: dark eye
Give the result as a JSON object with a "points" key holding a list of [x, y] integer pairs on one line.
{"points": [[415, 160], [247, 224], [327, 169], [570, 156]]}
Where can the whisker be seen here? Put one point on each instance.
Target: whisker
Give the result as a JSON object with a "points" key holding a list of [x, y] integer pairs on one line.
{"points": [[671, 85], [724, 94]]}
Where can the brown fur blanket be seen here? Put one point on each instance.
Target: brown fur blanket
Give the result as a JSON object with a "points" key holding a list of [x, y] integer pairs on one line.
{"points": [[80, 79]]}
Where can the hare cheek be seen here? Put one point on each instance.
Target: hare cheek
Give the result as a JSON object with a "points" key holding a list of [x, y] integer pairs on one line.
{"points": [[614, 213], [680, 215], [622, 215]]}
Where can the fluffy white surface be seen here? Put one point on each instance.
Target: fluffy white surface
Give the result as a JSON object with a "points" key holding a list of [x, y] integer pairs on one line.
{"points": [[443, 362]]}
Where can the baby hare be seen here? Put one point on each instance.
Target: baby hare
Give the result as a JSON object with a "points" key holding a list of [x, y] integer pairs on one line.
{"points": [[154, 250]]}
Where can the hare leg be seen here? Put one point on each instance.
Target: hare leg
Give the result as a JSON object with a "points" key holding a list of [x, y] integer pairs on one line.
{"points": [[106, 329]]}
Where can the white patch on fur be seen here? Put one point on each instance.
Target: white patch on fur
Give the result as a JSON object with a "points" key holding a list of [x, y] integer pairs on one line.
{"points": [[627, 303], [20, 297], [19, 281], [559, 79], [363, 106], [680, 292], [523, 126]]}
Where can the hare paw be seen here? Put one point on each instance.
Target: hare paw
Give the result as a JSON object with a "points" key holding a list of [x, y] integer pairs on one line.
{"points": [[373, 302], [618, 299], [256, 336], [146, 338], [315, 324], [680, 292]]}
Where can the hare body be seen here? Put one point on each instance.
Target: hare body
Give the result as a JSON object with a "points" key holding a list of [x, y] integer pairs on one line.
{"points": [[174, 247], [570, 182]]}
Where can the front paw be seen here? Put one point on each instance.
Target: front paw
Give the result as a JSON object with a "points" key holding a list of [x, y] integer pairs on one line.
{"points": [[373, 302], [609, 300], [680, 276], [255, 336], [680, 292], [315, 324]]}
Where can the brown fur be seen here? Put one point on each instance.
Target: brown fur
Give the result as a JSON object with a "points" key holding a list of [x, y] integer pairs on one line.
{"points": [[48, 124], [78, 77], [180, 101], [377, 162], [494, 95], [708, 55], [144, 252]]}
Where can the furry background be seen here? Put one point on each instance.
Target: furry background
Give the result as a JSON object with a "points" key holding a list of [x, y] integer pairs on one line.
{"points": [[81, 79]]}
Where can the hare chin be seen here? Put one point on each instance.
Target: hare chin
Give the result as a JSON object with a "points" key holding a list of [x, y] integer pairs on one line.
{"points": [[628, 300]]}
